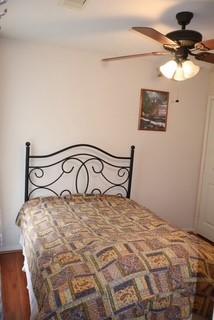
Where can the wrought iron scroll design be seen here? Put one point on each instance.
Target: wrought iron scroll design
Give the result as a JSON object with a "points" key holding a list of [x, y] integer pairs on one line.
{"points": [[79, 164]]}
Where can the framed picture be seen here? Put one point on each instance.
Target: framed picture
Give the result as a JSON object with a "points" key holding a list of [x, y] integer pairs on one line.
{"points": [[153, 110]]}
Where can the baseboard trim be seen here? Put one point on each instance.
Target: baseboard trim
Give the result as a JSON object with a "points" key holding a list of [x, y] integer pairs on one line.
{"points": [[7, 249]]}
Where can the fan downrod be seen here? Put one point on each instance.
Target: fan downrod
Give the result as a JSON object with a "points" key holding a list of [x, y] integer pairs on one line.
{"points": [[184, 18], [184, 37]]}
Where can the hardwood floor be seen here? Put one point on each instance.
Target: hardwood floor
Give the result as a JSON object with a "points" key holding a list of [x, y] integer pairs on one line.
{"points": [[14, 292]]}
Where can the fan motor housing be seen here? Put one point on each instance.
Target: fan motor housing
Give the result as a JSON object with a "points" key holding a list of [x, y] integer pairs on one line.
{"points": [[185, 38]]}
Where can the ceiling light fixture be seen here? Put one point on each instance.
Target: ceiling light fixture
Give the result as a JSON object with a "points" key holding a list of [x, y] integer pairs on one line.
{"points": [[179, 70], [3, 13]]}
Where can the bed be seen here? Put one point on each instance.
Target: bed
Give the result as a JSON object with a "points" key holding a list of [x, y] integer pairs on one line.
{"points": [[93, 253]]}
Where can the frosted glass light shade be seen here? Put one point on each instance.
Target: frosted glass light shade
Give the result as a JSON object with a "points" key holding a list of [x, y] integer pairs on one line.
{"points": [[168, 69], [179, 71], [190, 69]]}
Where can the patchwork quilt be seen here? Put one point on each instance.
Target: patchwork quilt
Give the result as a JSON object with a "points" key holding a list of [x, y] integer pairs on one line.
{"points": [[106, 257]]}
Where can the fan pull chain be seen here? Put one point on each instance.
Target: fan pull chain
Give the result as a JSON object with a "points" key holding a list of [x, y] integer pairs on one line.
{"points": [[177, 100]]}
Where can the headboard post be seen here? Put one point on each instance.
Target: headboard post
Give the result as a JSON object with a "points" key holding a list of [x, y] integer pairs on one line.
{"points": [[27, 156], [131, 171]]}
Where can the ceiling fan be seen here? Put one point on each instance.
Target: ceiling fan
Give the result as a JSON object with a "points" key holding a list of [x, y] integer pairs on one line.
{"points": [[180, 44]]}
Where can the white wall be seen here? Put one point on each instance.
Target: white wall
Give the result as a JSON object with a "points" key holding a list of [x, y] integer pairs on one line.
{"points": [[211, 83], [55, 97]]}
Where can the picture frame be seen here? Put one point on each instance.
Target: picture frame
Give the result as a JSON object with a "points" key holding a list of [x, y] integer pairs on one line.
{"points": [[153, 110]]}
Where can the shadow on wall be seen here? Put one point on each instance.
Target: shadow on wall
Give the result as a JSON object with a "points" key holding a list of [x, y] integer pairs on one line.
{"points": [[203, 13]]}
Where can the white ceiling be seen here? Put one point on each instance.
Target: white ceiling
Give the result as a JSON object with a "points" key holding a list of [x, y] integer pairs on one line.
{"points": [[102, 25]]}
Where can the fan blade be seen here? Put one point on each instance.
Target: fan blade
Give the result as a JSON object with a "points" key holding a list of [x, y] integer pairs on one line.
{"points": [[138, 55], [205, 56], [156, 35], [205, 45]]}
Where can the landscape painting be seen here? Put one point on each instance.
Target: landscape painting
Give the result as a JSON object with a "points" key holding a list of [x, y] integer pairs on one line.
{"points": [[153, 110]]}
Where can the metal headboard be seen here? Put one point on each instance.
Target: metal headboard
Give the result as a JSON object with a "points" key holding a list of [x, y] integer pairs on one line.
{"points": [[88, 163]]}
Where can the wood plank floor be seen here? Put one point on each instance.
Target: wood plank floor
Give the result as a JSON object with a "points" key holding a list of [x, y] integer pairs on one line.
{"points": [[14, 292]]}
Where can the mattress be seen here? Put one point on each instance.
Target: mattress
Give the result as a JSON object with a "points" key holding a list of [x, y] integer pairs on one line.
{"points": [[106, 257]]}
